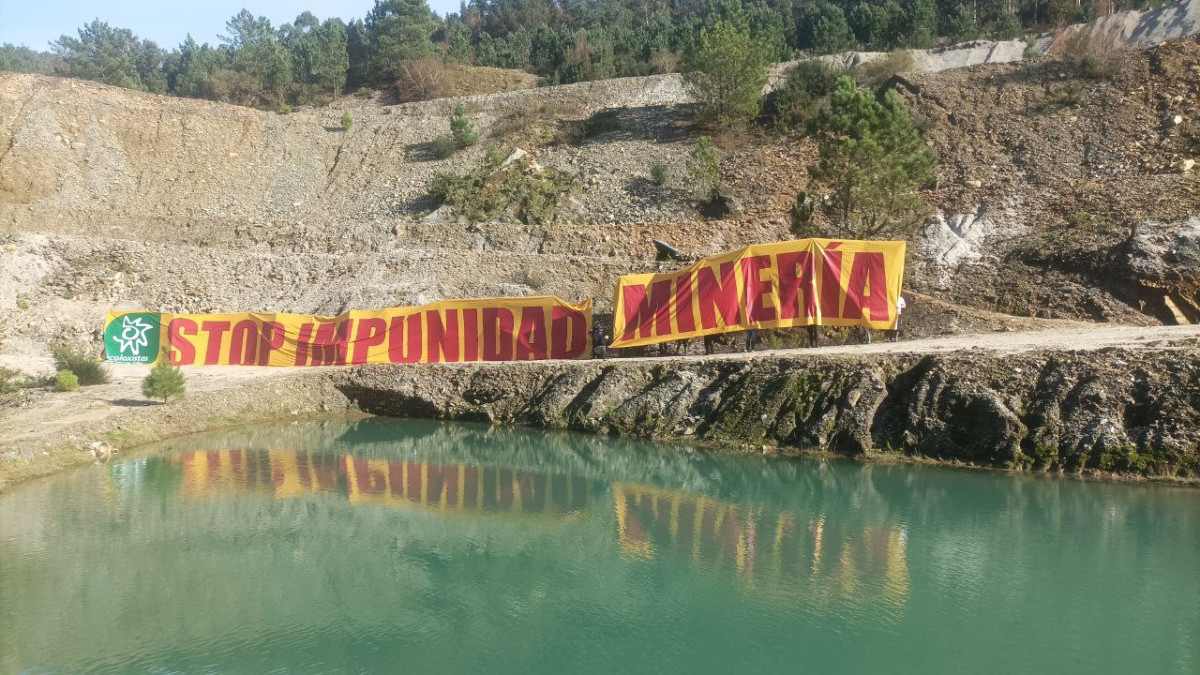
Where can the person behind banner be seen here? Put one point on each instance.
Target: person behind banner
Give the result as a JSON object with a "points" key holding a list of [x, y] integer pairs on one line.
{"points": [[894, 333], [814, 336], [710, 344], [864, 335], [600, 340], [751, 339]]}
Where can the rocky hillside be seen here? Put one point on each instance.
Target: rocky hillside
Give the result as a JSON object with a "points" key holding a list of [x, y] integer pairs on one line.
{"points": [[115, 199]]}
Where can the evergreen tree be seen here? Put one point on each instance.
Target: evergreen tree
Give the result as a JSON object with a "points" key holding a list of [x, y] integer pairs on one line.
{"points": [[726, 74], [397, 31], [164, 380], [826, 30], [461, 129], [105, 54], [873, 160]]}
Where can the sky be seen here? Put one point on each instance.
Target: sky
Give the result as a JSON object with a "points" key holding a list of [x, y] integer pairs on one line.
{"points": [[34, 23]]}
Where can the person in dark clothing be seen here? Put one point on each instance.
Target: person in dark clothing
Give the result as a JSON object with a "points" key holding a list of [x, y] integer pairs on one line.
{"points": [[710, 344], [814, 336], [600, 341]]}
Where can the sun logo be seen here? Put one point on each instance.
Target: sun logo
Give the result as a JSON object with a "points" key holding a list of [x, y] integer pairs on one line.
{"points": [[133, 335]]}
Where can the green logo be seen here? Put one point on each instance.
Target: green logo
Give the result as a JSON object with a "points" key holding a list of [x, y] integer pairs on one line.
{"points": [[132, 338]]}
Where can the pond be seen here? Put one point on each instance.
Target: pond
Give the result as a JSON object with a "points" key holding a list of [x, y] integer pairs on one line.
{"points": [[386, 546]]}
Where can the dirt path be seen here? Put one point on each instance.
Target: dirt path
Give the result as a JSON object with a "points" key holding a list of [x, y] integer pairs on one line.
{"points": [[52, 413]]}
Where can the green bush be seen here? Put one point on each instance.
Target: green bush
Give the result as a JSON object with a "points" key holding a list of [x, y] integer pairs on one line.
{"points": [[346, 120], [875, 72], [1096, 54], [10, 381], [87, 369], [164, 380], [1031, 50], [444, 146], [285, 109], [462, 132], [704, 170], [658, 173], [531, 195], [1067, 95], [65, 380], [803, 93]]}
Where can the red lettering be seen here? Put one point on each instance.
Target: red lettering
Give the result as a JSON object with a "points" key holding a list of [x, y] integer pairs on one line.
{"points": [[470, 335], [186, 353], [531, 336], [831, 284], [371, 333], [216, 332], [443, 338], [303, 341], [791, 283], [243, 344], [568, 333], [757, 289], [497, 334], [648, 315], [685, 316], [324, 345], [721, 295], [866, 275], [271, 339], [401, 350]]}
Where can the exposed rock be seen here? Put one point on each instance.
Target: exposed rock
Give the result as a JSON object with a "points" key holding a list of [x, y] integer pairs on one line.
{"points": [[1120, 411]]}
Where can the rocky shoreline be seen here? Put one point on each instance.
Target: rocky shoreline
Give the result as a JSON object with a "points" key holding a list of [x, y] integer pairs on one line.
{"points": [[1128, 413]]}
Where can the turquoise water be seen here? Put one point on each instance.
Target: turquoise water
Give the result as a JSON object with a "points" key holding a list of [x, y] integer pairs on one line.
{"points": [[399, 546]]}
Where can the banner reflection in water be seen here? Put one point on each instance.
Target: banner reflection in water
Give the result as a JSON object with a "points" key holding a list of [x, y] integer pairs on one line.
{"points": [[446, 487], [768, 549]]}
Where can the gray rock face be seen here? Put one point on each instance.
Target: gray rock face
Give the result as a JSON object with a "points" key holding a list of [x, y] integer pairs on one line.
{"points": [[1130, 411]]}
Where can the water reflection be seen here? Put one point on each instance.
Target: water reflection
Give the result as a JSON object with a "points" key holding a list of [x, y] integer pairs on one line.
{"points": [[332, 547], [779, 553], [445, 488]]}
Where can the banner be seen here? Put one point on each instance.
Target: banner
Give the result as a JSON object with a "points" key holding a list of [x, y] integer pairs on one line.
{"points": [[804, 282], [450, 331]]}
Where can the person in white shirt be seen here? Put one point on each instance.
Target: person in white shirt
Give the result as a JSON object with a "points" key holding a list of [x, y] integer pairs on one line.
{"points": [[894, 333]]}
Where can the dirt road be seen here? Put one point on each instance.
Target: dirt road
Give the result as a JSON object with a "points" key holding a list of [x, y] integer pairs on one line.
{"points": [[51, 413]]}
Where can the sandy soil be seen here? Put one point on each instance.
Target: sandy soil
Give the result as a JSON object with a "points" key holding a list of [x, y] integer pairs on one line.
{"points": [[52, 413]]}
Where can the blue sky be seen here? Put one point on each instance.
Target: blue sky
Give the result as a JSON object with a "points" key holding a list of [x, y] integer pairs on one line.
{"points": [[34, 23]]}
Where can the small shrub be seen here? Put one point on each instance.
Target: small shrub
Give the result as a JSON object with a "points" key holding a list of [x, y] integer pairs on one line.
{"points": [[1031, 50], [285, 109], [88, 370], [1067, 95], [423, 80], [704, 170], [527, 194], [10, 381], [663, 61], [802, 94], [65, 380], [658, 174], [444, 146], [875, 72], [1096, 54], [462, 132], [346, 121], [164, 380], [801, 214], [23, 304]]}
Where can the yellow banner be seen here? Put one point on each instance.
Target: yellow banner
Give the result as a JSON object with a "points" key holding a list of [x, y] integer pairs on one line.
{"points": [[450, 331], [804, 282]]}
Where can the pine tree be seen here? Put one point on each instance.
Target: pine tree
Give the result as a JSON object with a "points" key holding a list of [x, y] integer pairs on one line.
{"points": [[461, 129], [727, 73], [164, 380], [873, 160]]}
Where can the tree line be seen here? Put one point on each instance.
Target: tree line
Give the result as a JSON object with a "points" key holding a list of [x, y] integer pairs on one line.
{"points": [[311, 60]]}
